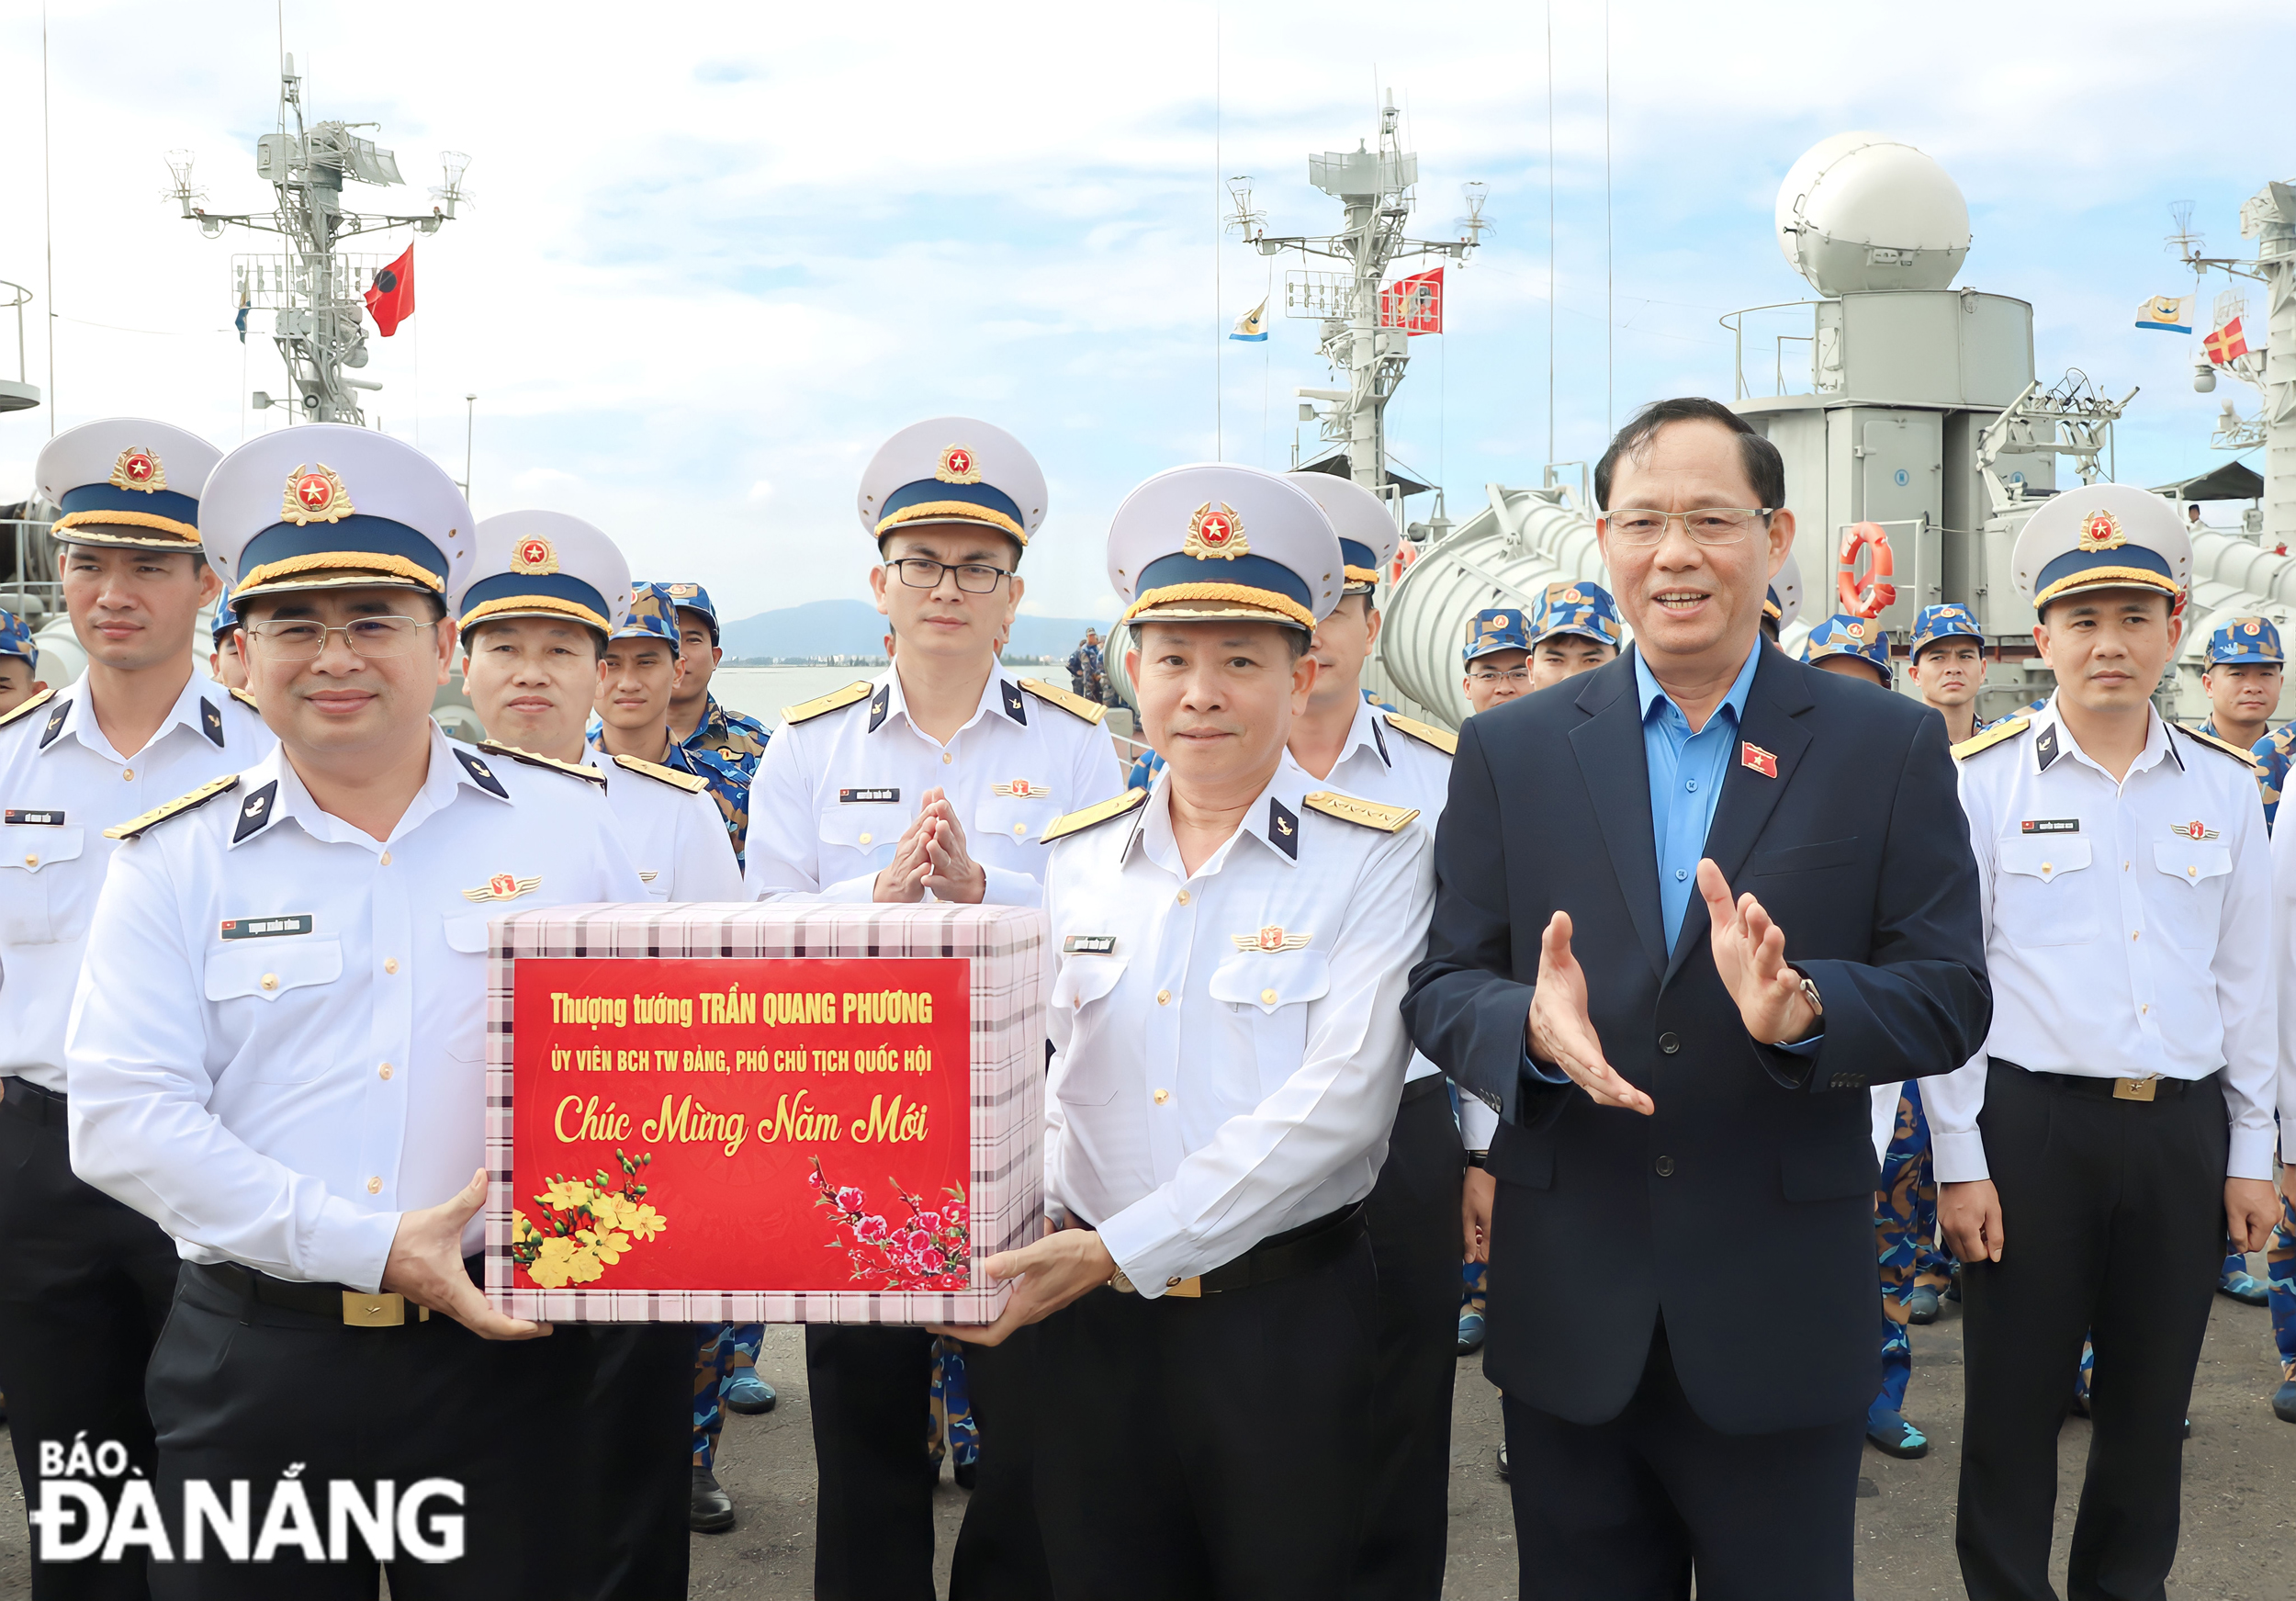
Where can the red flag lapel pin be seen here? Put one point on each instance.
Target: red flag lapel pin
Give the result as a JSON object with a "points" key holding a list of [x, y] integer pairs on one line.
{"points": [[1760, 760]]}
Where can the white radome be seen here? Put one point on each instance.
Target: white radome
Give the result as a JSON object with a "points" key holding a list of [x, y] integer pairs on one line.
{"points": [[1862, 212]]}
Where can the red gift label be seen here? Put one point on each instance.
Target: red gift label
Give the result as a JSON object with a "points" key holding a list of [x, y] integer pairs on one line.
{"points": [[737, 1124]]}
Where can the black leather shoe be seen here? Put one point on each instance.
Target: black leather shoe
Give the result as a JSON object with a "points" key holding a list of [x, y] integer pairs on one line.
{"points": [[1502, 1462], [712, 1511]]}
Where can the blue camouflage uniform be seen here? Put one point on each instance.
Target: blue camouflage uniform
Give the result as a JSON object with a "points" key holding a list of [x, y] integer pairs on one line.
{"points": [[724, 746]]}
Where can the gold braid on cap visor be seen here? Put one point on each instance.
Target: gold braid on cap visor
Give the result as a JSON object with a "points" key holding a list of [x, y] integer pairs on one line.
{"points": [[94, 520], [1241, 594], [2098, 578], [347, 562], [1370, 575], [953, 511], [529, 605]]}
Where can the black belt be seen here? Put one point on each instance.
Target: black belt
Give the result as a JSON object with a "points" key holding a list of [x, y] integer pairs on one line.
{"points": [[2151, 1089], [333, 1302], [1301, 1250], [29, 1101], [1419, 1088]]}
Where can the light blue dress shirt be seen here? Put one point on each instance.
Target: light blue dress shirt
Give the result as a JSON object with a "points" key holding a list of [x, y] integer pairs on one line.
{"points": [[1686, 774]]}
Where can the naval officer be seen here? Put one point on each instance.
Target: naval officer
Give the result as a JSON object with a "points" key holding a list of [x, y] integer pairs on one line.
{"points": [[1232, 944], [937, 778], [1496, 658], [277, 1049], [1574, 629], [2121, 1111], [84, 1281], [549, 596], [1413, 1213]]}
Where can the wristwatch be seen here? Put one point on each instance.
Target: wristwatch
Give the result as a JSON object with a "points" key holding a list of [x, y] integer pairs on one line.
{"points": [[1816, 1007]]}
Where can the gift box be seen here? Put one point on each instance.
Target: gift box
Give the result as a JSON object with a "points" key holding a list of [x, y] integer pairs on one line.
{"points": [[788, 1112]]}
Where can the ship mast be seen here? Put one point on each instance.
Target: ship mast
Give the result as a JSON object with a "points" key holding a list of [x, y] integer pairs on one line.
{"points": [[315, 289], [1363, 338], [2269, 217]]}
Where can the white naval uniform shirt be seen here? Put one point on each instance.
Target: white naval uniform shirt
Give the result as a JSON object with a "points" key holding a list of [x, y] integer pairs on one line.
{"points": [[1381, 762], [675, 835], [834, 793], [2127, 928], [1205, 1096], [278, 1099], [62, 785]]}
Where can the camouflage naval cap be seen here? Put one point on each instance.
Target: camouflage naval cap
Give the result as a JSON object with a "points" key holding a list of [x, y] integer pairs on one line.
{"points": [[1935, 625], [2245, 639], [1581, 608], [1501, 629], [15, 637], [1844, 635]]}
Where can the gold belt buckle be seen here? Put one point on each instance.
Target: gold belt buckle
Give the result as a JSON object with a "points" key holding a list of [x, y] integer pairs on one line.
{"points": [[2135, 1089], [385, 1310]]}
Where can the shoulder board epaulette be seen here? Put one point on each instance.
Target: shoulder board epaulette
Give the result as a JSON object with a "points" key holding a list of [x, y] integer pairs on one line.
{"points": [[1442, 739], [1092, 816], [571, 769], [831, 701], [2006, 729], [1348, 809], [244, 699], [1075, 704], [669, 775], [41, 699], [199, 798], [2226, 746]]}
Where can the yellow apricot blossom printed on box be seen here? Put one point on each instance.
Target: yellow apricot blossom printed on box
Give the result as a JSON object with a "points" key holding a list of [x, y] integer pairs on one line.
{"points": [[587, 1225]]}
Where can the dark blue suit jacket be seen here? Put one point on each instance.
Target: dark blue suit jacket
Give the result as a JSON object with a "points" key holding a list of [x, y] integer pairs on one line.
{"points": [[1758, 1165]]}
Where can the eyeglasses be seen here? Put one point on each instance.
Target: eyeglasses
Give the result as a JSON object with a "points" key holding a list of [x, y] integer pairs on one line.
{"points": [[1708, 525], [975, 578], [1512, 675], [300, 639]]}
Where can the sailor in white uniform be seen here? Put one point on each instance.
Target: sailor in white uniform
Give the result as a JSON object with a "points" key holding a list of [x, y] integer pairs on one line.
{"points": [[1233, 944], [83, 1281], [2118, 1124], [937, 778], [277, 1046], [1413, 1213]]}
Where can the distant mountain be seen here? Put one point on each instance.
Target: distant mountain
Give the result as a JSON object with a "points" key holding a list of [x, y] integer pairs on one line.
{"points": [[854, 628]]}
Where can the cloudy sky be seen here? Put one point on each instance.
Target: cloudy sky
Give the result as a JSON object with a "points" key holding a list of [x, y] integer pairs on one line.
{"points": [[720, 251]]}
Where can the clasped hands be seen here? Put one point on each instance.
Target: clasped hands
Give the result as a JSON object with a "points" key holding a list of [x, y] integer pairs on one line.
{"points": [[931, 855], [1749, 953]]}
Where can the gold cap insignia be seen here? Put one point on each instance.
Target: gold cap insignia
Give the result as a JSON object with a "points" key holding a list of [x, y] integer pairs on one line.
{"points": [[1217, 535], [683, 589], [1271, 939], [534, 555], [503, 887], [1856, 630], [958, 466], [139, 468], [2100, 530], [317, 496]]}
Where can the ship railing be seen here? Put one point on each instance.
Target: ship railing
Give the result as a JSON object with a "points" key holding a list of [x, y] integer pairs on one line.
{"points": [[20, 591], [1736, 323]]}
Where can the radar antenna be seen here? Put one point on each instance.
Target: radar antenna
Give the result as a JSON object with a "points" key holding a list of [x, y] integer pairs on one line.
{"points": [[316, 291]]}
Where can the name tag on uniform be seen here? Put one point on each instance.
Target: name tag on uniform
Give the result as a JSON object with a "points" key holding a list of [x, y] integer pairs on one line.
{"points": [[2051, 826], [265, 928], [53, 819], [851, 795], [1089, 945]]}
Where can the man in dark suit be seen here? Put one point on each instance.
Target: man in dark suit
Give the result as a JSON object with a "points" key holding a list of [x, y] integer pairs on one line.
{"points": [[1663, 1060]]}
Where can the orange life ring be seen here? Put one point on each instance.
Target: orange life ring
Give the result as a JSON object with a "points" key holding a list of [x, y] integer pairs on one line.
{"points": [[1877, 593], [1405, 554]]}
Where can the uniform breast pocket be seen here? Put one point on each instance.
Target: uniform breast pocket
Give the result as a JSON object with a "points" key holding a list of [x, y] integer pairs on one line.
{"points": [[1270, 990], [263, 972], [35, 901], [2046, 892], [1080, 985], [2190, 919], [867, 828], [1018, 818]]}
